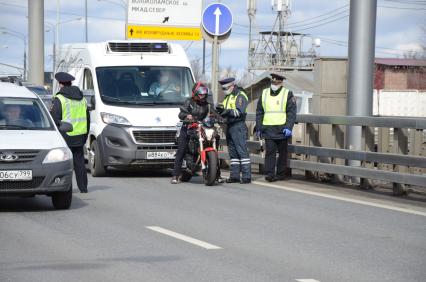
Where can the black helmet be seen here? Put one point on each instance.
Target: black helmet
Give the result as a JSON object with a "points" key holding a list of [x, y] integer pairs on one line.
{"points": [[200, 91]]}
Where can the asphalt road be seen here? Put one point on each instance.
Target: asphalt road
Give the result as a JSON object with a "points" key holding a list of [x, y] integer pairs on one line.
{"points": [[138, 227]]}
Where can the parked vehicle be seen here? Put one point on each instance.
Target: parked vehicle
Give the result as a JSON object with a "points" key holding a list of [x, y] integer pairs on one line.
{"points": [[34, 158], [133, 120], [202, 150]]}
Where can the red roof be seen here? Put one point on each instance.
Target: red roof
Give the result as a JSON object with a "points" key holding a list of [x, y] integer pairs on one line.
{"points": [[400, 62]]}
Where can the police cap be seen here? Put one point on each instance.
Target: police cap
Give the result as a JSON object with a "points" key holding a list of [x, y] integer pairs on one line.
{"points": [[277, 77], [64, 77], [227, 81]]}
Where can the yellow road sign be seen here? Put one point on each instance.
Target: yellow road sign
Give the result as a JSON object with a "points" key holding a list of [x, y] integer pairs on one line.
{"points": [[166, 33]]}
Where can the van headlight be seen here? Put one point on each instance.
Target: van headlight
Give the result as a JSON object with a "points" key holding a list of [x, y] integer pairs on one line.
{"points": [[114, 119], [58, 155]]}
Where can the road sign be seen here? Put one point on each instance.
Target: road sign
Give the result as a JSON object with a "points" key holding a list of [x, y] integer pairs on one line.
{"points": [[158, 32], [217, 19], [170, 18]]}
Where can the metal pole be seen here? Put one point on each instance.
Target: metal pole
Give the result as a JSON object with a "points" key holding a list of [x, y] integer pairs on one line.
{"points": [[215, 63], [126, 7], [204, 59], [85, 22], [362, 32], [58, 7], [25, 59], [36, 41]]}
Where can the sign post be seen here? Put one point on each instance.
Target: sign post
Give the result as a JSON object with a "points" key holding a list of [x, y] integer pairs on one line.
{"points": [[167, 19], [217, 23]]}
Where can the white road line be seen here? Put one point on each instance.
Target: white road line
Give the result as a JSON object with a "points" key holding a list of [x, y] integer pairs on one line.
{"points": [[361, 202], [184, 238], [307, 280]]}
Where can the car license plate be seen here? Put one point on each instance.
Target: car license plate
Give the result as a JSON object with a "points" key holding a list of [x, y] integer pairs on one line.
{"points": [[14, 175], [160, 155]]}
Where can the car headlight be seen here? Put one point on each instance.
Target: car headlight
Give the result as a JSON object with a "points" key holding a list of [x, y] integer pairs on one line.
{"points": [[114, 119], [58, 155]]}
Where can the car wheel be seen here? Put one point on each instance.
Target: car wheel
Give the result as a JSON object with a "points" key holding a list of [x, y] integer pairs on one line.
{"points": [[62, 200], [95, 162]]}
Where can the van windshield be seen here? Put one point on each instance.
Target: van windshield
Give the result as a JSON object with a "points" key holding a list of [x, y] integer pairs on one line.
{"points": [[144, 85], [23, 114]]}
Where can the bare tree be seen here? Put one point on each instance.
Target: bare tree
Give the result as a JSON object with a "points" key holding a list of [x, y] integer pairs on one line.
{"points": [[197, 68], [421, 53]]}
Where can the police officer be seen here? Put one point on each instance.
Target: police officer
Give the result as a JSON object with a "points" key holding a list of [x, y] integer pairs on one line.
{"points": [[275, 117], [234, 110], [69, 106]]}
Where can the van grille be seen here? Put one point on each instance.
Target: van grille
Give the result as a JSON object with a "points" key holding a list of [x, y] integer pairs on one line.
{"points": [[23, 156], [138, 47], [10, 185], [157, 137]]}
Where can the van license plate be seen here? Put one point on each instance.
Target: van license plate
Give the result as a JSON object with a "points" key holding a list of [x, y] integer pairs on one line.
{"points": [[160, 155], [14, 175]]}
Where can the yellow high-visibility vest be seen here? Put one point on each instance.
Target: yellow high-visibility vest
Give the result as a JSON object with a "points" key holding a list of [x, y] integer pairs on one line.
{"points": [[230, 101], [274, 107], [74, 112]]}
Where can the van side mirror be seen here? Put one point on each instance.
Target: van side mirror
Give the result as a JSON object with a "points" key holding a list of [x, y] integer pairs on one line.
{"points": [[89, 95], [65, 127]]}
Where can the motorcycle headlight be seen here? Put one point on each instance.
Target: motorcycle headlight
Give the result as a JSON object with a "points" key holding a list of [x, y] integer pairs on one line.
{"points": [[114, 119], [58, 155], [209, 133]]}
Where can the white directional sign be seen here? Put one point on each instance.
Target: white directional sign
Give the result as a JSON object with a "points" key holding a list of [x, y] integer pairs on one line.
{"points": [[177, 13]]}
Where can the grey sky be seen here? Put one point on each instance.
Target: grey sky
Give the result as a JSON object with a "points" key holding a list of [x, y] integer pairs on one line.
{"points": [[399, 25]]}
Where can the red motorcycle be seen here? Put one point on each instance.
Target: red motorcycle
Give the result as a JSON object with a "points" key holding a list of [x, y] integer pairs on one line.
{"points": [[202, 150]]}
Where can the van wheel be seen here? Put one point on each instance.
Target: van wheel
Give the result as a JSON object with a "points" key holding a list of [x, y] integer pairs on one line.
{"points": [[95, 162], [62, 200]]}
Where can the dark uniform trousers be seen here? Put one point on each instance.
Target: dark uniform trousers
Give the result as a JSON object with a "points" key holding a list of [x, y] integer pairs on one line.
{"points": [[180, 154], [79, 167], [236, 137], [272, 146]]}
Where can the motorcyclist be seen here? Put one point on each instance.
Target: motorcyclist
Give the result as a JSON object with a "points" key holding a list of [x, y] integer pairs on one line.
{"points": [[195, 108]]}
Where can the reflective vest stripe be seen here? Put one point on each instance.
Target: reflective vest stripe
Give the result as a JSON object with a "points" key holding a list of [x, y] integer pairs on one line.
{"points": [[231, 100], [74, 112], [274, 107]]}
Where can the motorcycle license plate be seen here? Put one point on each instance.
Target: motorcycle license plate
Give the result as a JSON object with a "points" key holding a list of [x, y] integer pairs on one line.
{"points": [[15, 175], [160, 155]]}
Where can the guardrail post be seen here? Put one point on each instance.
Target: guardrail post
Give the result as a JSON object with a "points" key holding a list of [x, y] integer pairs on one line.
{"points": [[416, 140], [383, 146], [311, 139], [339, 143], [367, 142], [400, 146]]}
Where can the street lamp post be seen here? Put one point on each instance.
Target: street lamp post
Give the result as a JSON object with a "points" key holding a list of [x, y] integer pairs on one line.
{"points": [[24, 39], [55, 31]]}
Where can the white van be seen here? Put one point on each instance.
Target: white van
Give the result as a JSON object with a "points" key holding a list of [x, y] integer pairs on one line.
{"points": [[134, 114], [34, 158]]}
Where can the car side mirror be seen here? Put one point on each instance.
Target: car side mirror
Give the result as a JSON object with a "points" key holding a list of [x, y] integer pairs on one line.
{"points": [[65, 127], [89, 95]]}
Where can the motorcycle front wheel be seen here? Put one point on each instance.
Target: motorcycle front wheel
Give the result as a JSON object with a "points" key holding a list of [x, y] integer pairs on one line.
{"points": [[211, 168]]}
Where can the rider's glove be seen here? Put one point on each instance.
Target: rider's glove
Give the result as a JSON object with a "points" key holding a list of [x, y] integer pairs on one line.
{"points": [[220, 108], [287, 132]]}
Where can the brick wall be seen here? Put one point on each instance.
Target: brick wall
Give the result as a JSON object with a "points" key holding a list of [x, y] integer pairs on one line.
{"points": [[395, 79]]}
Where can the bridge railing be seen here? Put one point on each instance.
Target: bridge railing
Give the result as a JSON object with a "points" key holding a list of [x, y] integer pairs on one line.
{"points": [[393, 149]]}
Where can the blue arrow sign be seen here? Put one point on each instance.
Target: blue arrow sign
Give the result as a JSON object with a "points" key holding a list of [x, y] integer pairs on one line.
{"points": [[217, 19]]}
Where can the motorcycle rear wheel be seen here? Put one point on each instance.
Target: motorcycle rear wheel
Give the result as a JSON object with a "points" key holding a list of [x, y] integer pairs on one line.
{"points": [[211, 168]]}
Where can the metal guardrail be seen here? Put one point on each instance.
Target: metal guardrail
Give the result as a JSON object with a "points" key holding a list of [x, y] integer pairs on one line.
{"points": [[372, 162]]}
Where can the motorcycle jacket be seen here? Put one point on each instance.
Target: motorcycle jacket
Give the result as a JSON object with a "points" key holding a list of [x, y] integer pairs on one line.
{"points": [[198, 110]]}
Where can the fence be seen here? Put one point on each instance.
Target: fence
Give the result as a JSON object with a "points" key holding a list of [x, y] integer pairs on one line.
{"points": [[394, 149]]}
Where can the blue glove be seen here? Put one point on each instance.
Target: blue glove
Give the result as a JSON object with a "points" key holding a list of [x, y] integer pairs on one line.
{"points": [[287, 132]]}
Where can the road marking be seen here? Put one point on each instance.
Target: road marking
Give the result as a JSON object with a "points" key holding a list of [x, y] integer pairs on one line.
{"points": [[324, 195], [307, 280], [184, 238]]}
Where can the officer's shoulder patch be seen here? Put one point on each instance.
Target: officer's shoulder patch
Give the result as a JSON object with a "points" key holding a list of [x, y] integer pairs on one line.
{"points": [[293, 100]]}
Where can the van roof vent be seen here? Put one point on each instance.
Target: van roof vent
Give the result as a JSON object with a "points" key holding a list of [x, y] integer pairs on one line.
{"points": [[138, 47]]}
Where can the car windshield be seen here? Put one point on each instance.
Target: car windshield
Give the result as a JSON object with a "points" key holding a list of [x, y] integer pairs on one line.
{"points": [[23, 114], [144, 85]]}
